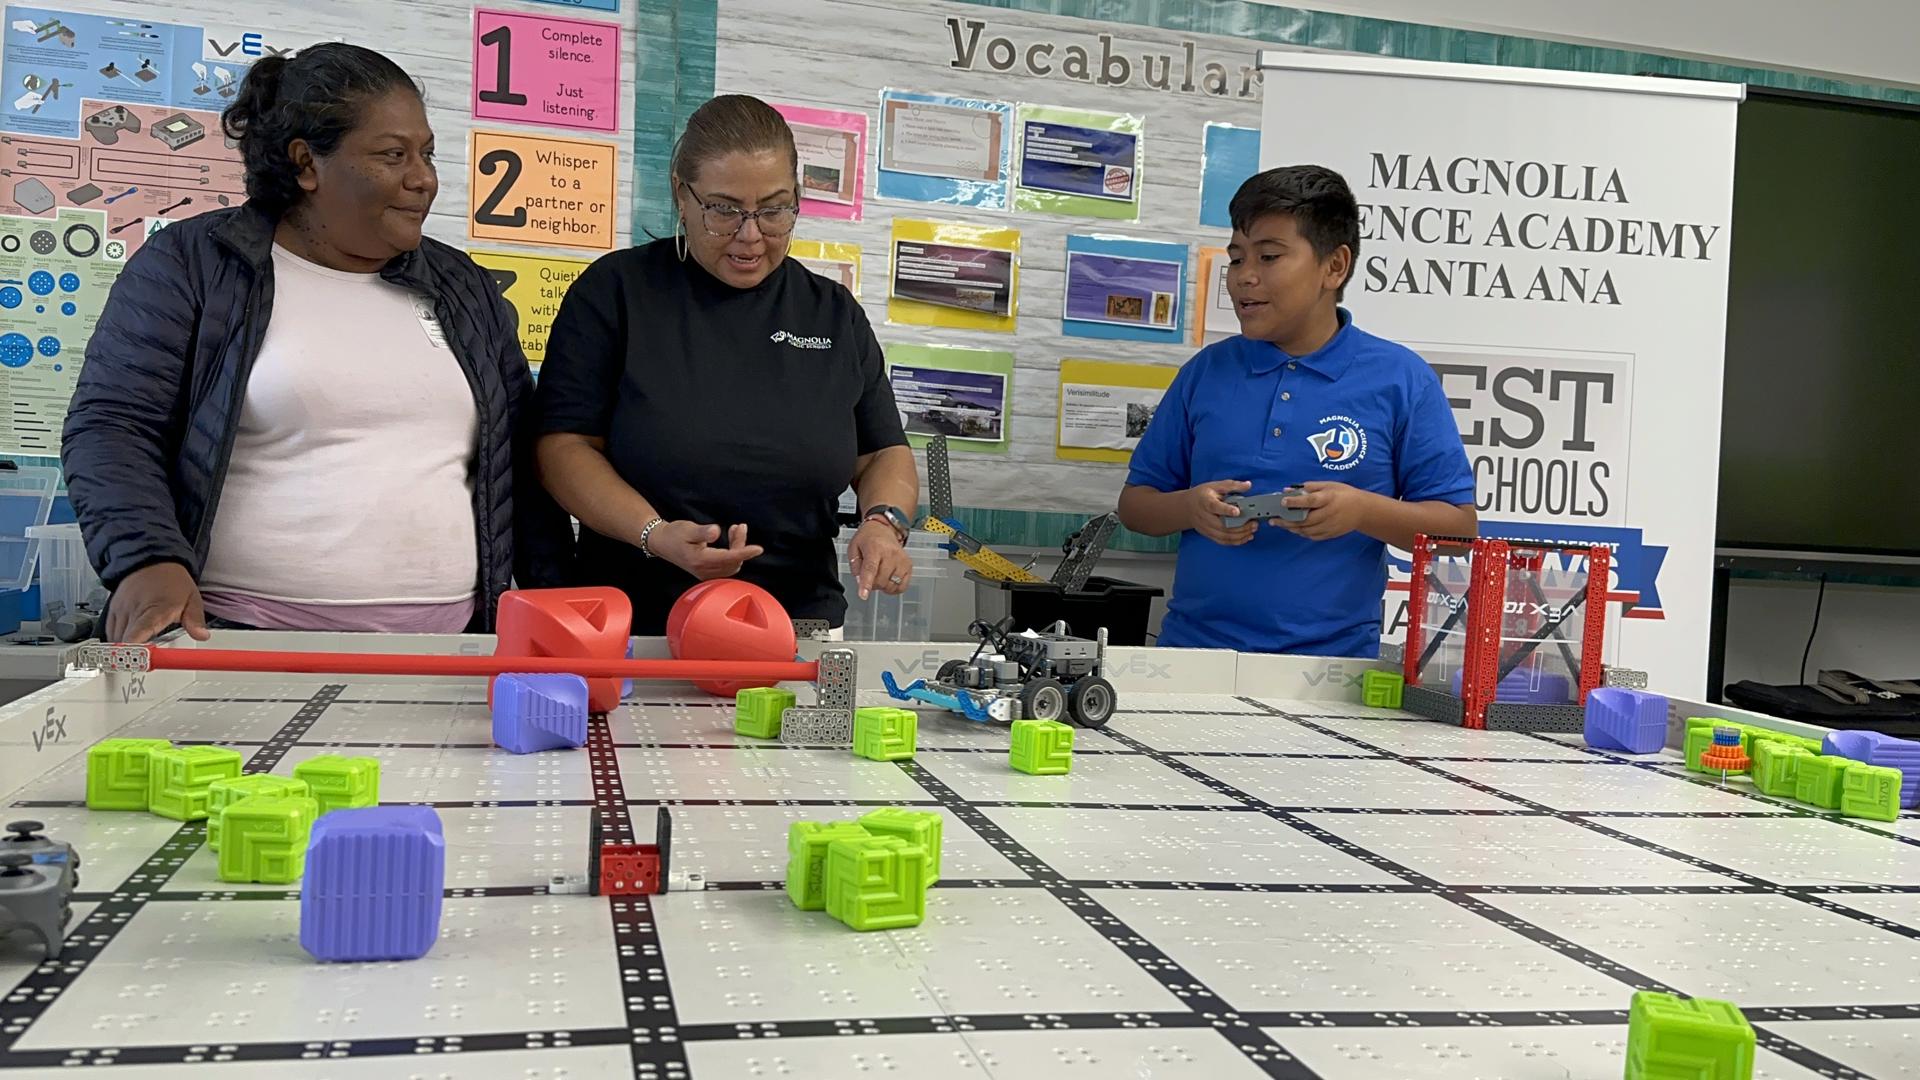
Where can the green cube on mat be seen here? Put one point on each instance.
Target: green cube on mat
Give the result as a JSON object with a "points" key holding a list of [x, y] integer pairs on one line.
{"points": [[1381, 689], [877, 882], [920, 827], [1699, 737], [885, 734], [1776, 766], [807, 859], [224, 793], [1821, 780], [117, 773], [1041, 747], [179, 777], [266, 839], [341, 783], [1870, 791], [1673, 1038], [757, 711]]}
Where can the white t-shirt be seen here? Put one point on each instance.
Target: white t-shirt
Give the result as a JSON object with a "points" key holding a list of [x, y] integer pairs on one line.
{"points": [[351, 476]]}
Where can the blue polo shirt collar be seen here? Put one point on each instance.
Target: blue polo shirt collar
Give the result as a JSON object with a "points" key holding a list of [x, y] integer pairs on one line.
{"points": [[1330, 360]]}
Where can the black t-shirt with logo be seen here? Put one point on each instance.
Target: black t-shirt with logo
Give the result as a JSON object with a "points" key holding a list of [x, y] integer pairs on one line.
{"points": [[721, 406]]}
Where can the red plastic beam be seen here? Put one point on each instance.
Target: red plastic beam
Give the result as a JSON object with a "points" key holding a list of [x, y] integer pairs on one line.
{"points": [[321, 663]]}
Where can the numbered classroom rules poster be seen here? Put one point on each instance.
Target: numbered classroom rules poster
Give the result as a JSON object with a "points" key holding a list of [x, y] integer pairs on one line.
{"points": [[542, 189]]}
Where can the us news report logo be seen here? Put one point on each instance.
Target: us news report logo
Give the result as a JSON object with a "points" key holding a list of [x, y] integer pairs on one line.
{"points": [[1340, 444], [799, 342]]}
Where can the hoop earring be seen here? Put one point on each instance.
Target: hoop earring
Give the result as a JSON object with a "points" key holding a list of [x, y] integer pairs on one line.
{"points": [[679, 238]]}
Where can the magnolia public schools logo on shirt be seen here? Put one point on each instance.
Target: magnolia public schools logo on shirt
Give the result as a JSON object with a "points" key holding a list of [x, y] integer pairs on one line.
{"points": [[1340, 443], [799, 342]]}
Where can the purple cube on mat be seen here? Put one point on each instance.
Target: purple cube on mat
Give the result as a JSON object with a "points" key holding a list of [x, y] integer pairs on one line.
{"points": [[1876, 748], [626, 685], [372, 890], [1622, 719], [532, 713]]}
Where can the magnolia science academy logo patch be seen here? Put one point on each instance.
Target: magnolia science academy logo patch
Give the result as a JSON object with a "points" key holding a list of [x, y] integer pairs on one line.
{"points": [[1340, 444], [799, 342]]}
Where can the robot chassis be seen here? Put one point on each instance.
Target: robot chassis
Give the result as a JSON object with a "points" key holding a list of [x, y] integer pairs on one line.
{"points": [[1028, 676]]}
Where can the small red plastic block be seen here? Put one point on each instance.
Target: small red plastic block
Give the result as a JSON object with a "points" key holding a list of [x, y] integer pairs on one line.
{"points": [[629, 869], [568, 624]]}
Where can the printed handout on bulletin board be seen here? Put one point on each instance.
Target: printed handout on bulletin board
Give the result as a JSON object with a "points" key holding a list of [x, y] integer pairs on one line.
{"points": [[1085, 164], [832, 149], [834, 261], [964, 394], [962, 277], [541, 190], [531, 68], [113, 134], [533, 286], [1228, 156], [939, 149], [1131, 290], [57, 61], [1105, 407], [1214, 318]]}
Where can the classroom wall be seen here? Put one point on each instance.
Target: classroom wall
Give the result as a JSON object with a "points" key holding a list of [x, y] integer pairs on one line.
{"points": [[1860, 39]]}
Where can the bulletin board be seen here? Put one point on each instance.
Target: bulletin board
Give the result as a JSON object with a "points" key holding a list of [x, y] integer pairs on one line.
{"points": [[110, 131], [1100, 171]]}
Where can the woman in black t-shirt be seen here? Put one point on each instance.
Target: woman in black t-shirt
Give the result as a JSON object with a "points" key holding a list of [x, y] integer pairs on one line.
{"points": [[708, 388]]}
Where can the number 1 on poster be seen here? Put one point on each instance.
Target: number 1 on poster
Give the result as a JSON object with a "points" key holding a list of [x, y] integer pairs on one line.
{"points": [[501, 39]]}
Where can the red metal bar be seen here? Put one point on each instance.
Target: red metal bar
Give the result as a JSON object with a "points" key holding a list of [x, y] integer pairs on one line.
{"points": [[320, 663], [1415, 640], [1593, 634]]}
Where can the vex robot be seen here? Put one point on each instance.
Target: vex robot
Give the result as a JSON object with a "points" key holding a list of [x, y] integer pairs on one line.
{"points": [[1025, 676]]}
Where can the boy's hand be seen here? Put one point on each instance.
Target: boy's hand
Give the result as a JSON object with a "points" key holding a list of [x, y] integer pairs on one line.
{"points": [[1205, 508], [1333, 510]]}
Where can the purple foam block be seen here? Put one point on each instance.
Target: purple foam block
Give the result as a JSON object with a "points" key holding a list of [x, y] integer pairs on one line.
{"points": [[372, 889], [1630, 720], [1876, 748], [532, 713], [626, 685], [1524, 687]]}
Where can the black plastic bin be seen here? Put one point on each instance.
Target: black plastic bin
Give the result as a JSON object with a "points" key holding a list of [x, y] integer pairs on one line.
{"points": [[1123, 607]]}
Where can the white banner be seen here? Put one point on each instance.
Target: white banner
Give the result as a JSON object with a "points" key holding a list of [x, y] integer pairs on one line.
{"points": [[1555, 245]]}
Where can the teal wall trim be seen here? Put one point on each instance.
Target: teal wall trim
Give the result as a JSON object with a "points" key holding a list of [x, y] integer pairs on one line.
{"points": [[672, 76]]}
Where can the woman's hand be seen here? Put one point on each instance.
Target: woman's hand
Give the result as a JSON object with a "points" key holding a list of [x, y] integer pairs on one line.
{"points": [[153, 598], [879, 560], [688, 545]]}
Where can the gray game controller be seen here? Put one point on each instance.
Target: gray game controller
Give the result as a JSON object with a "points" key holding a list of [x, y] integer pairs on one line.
{"points": [[25, 836], [1262, 507], [34, 893], [107, 124]]}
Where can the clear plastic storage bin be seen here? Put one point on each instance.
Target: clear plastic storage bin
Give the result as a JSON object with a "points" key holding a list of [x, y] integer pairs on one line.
{"points": [[67, 580], [907, 617], [26, 497]]}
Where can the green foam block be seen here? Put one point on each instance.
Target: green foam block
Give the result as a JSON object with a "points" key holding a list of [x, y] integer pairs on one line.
{"points": [[1041, 747], [877, 882], [807, 859], [1870, 791], [266, 839], [1776, 766], [178, 779], [341, 783], [757, 711], [224, 793], [1381, 689], [920, 827], [1673, 1038], [1821, 779], [117, 772], [885, 734]]}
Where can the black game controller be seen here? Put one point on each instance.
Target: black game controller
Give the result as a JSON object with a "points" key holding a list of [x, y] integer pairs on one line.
{"points": [[107, 124], [1262, 507]]}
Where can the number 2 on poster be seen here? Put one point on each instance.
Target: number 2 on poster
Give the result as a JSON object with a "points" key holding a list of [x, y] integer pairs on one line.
{"points": [[488, 213]]}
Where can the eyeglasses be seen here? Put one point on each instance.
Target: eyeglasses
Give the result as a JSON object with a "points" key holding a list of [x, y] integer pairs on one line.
{"points": [[721, 219]]}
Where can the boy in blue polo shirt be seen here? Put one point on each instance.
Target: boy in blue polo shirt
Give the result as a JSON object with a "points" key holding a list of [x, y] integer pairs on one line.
{"points": [[1301, 396]]}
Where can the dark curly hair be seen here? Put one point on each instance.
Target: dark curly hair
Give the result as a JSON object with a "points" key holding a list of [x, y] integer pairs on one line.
{"points": [[316, 95]]}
